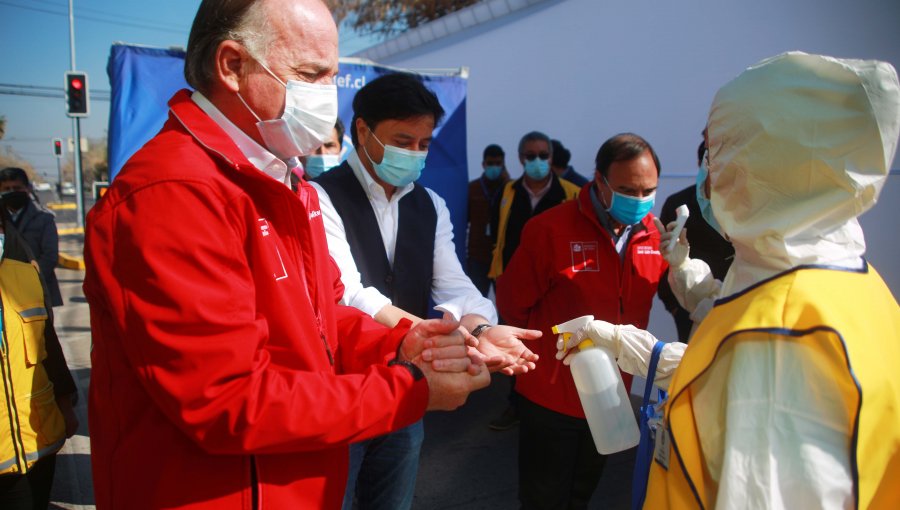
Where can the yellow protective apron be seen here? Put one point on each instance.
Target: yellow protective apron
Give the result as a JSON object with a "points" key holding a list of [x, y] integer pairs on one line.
{"points": [[849, 315]]}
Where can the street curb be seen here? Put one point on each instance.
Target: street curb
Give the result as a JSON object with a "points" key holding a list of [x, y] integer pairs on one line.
{"points": [[58, 206], [70, 262]]}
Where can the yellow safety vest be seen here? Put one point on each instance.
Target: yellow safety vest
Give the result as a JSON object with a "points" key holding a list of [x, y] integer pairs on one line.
{"points": [[31, 424], [849, 316], [506, 201]]}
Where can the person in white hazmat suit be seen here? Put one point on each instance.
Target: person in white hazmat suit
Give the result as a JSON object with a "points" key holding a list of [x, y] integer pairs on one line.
{"points": [[789, 394]]}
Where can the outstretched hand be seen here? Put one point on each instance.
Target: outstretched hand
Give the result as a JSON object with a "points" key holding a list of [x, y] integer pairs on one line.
{"points": [[502, 349]]}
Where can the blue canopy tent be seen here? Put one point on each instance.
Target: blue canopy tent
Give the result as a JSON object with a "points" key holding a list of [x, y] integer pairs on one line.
{"points": [[143, 79]]}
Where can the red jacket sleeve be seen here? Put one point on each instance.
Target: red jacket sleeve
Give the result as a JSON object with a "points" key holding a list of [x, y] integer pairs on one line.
{"points": [[180, 303], [338, 284], [526, 278]]}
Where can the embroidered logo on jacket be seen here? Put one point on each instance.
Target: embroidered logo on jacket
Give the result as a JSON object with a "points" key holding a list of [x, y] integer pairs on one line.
{"points": [[584, 256], [315, 214], [269, 239], [647, 250]]}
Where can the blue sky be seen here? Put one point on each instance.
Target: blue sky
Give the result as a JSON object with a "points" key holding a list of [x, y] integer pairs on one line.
{"points": [[35, 36]]}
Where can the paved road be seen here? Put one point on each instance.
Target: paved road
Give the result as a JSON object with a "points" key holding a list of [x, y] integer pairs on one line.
{"points": [[464, 464], [72, 487]]}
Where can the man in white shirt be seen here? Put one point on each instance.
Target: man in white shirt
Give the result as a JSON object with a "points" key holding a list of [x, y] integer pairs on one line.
{"points": [[393, 242]]}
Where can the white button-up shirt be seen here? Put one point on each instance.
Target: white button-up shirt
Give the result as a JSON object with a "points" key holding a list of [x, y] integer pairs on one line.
{"points": [[451, 289], [536, 196]]}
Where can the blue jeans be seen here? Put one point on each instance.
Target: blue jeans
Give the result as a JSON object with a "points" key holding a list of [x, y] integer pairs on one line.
{"points": [[383, 470]]}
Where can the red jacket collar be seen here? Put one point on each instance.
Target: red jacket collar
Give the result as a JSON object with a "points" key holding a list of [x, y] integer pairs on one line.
{"points": [[205, 130]]}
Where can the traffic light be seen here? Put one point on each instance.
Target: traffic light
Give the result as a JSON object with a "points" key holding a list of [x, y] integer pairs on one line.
{"points": [[57, 147], [77, 104]]}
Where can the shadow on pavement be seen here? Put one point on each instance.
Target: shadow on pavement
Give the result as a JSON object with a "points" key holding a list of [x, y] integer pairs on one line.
{"points": [[465, 465]]}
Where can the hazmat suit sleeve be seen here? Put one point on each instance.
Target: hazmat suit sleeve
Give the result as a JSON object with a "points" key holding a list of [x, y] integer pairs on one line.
{"points": [[773, 431], [631, 347], [691, 280]]}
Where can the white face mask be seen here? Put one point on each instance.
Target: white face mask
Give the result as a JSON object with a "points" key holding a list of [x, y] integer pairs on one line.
{"points": [[310, 111]]}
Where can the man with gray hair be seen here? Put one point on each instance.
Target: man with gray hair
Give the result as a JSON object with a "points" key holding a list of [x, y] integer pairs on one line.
{"points": [[224, 373], [536, 191]]}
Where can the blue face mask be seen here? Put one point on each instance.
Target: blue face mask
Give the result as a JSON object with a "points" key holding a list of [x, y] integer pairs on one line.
{"points": [[317, 164], [629, 210], [398, 167], [492, 172], [537, 168], [703, 202]]}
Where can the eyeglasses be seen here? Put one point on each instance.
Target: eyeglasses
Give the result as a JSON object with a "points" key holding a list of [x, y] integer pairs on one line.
{"points": [[531, 156]]}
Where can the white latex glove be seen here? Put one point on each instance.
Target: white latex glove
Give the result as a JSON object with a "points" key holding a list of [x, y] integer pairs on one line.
{"points": [[599, 333], [631, 346], [675, 251]]}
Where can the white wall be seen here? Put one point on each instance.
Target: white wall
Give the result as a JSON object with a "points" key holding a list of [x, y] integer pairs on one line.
{"points": [[583, 70]]}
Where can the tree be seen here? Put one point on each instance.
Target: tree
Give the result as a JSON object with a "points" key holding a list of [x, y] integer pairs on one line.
{"points": [[2, 126], [9, 157], [388, 17], [94, 162]]}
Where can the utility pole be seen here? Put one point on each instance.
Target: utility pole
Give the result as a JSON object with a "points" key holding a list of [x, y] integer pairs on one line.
{"points": [[57, 151], [76, 131]]}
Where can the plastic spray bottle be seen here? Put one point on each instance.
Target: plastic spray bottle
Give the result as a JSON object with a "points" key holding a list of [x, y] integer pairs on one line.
{"points": [[602, 392]]}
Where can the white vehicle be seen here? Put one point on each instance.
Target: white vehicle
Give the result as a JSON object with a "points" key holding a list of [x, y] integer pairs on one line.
{"points": [[42, 186], [68, 189]]}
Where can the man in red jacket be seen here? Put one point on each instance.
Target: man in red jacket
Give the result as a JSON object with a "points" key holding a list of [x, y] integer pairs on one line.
{"points": [[225, 375], [597, 255]]}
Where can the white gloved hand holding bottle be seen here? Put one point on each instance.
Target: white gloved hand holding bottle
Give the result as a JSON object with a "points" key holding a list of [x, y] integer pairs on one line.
{"points": [[601, 391], [631, 347]]}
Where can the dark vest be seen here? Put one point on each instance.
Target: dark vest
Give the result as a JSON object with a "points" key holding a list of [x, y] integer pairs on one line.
{"points": [[521, 211], [408, 284]]}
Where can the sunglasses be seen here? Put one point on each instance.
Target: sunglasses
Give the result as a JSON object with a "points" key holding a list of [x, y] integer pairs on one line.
{"points": [[531, 156]]}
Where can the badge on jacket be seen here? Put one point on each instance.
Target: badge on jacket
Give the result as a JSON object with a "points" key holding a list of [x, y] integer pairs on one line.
{"points": [[584, 256], [661, 449], [280, 272]]}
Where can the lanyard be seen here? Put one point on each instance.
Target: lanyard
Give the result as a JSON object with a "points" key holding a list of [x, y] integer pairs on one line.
{"points": [[304, 195], [484, 189]]}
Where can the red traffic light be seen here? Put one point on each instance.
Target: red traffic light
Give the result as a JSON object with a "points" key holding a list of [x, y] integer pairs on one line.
{"points": [[77, 103]]}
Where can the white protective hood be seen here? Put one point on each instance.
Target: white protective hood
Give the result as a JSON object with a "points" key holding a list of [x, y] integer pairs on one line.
{"points": [[799, 146]]}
